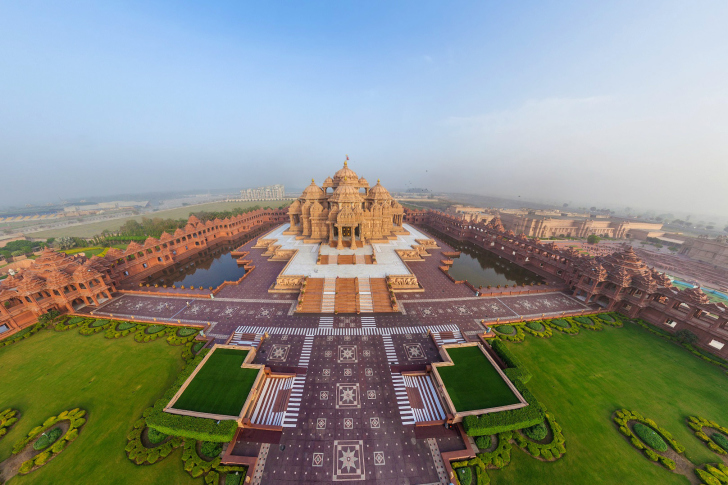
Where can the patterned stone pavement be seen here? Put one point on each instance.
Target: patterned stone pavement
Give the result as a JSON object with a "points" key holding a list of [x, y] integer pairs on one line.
{"points": [[350, 425]]}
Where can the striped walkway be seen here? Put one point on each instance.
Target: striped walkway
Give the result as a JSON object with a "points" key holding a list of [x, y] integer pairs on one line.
{"points": [[368, 322], [245, 339], [306, 351], [448, 337], [326, 322], [348, 331], [424, 400], [272, 402], [290, 417], [400, 392], [389, 349]]}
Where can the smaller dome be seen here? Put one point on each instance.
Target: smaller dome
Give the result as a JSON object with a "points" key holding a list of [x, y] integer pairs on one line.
{"points": [[328, 182], [313, 191], [379, 192], [363, 182]]}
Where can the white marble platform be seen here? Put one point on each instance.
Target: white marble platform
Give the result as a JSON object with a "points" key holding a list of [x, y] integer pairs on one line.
{"points": [[304, 262]]}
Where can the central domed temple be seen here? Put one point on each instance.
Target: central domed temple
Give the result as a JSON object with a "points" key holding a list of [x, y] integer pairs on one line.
{"points": [[350, 215]]}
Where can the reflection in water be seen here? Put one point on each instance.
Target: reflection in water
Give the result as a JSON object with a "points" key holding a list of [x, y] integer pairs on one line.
{"points": [[482, 268], [210, 269]]}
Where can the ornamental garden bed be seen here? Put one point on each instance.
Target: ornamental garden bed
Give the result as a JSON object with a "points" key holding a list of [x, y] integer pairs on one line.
{"points": [[473, 383], [220, 387]]}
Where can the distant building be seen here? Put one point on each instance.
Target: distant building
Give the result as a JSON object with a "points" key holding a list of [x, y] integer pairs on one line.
{"points": [[711, 251], [554, 223], [268, 192]]}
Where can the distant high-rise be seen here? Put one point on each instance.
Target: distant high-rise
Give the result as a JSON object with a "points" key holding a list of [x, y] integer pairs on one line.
{"points": [[269, 192]]}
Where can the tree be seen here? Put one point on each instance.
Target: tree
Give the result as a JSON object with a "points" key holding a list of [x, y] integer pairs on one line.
{"points": [[685, 336], [672, 248], [592, 208], [566, 205], [593, 239]]}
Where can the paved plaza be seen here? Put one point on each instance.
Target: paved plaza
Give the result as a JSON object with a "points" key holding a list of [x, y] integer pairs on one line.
{"points": [[349, 417]]}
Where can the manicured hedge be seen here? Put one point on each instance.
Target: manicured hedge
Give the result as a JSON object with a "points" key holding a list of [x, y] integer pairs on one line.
{"points": [[512, 419], [501, 455], [717, 442], [537, 432], [720, 440], [650, 437], [186, 332], [211, 449], [481, 476], [152, 329], [483, 442], [76, 420], [622, 419], [125, 326], [201, 429], [538, 329], [505, 329], [47, 439], [7, 419], [511, 360], [141, 455], [560, 322], [465, 475], [551, 451], [155, 436]]}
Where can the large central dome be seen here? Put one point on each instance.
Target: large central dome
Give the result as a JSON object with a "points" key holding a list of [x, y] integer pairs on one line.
{"points": [[346, 176]]}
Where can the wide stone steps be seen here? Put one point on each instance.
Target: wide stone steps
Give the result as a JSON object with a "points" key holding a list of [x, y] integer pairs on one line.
{"points": [[365, 296], [346, 300], [328, 298]]}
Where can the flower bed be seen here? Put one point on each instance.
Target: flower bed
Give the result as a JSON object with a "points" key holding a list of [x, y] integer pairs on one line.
{"points": [[51, 446], [7, 419], [625, 418], [717, 441]]}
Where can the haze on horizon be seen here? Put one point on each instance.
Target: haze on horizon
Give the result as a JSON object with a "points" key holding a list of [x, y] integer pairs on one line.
{"points": [[600, 103]]}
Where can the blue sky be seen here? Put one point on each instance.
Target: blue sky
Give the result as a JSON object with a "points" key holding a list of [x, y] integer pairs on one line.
{"points": [[597, 103]]}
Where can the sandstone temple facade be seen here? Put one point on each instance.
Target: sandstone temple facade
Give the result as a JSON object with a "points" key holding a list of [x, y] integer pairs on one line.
{"points": [[351, 215]]}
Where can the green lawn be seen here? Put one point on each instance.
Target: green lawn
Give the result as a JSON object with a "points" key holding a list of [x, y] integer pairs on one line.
{"points": [[221, 386], [114, 380], [583, 378], [473, 382]]}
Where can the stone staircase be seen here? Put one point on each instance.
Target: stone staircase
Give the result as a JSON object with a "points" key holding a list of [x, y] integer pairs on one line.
{"points": [[365, 296], [328, 299]]}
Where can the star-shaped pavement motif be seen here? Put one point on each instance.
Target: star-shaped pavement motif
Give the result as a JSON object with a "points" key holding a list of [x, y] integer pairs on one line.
{"points": [[348, 459]]}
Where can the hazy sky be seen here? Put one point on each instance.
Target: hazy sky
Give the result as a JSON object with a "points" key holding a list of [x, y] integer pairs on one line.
{"points": [[598, 103]]}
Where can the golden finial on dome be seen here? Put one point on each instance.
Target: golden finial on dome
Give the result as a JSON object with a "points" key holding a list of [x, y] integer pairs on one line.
{"points": [[312, 180], [377, 180]]}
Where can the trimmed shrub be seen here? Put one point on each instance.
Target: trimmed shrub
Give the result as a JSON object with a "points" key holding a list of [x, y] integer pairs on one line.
{"points": [[155, 436], [537, 432], [706, 477], [197, 346], [650, 437], [720, 440], [465, 475], [233, 479], [505, 329], [509, 420], [501, 456], [536, 325], [152, 329], [483, 442], [186, 332], [26, 467], [211, 449], [47, 439], [98, 323], [559, 322], [125, 326]]}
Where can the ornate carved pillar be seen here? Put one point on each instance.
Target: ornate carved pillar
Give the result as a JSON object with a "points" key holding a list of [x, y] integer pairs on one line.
{"points": [[340, 245]]}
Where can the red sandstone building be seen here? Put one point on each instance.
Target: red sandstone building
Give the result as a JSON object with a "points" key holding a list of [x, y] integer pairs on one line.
{"points": [[61, 282], [619, 282]]}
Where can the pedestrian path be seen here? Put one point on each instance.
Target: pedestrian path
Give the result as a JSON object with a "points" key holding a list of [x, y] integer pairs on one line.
{"points": [[251, 339], [400, 392], [306, 351], [448, 337], [368, 322], [271, 404], [423, 398], [348, 331], [290, 418], [326, 322], [389, 349]]}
